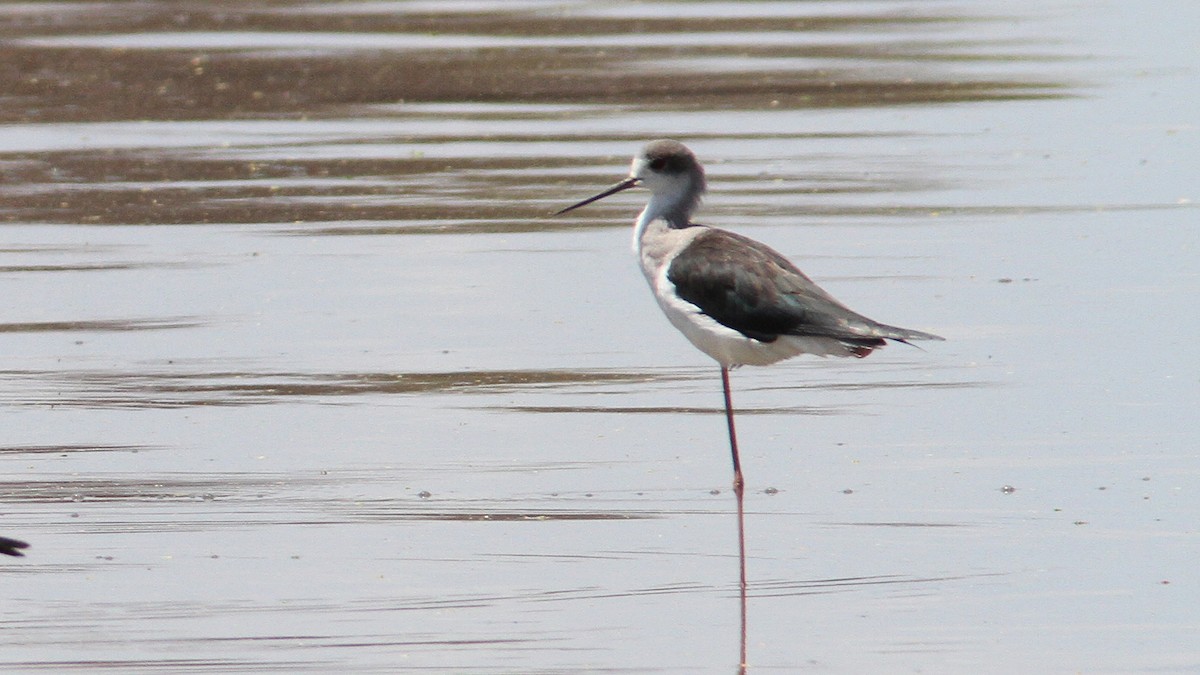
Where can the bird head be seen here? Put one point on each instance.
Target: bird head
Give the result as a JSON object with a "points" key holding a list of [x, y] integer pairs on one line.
{"points": [[670, 171]]}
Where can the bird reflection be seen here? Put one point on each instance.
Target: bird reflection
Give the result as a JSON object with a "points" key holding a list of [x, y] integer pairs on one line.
{"points": [[741, 527]]}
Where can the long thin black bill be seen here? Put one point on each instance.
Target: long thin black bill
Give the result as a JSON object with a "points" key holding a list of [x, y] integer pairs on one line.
{"points": [[623, 185]]}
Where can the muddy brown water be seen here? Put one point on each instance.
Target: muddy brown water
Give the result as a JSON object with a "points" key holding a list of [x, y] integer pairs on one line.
{"points": [[298, 376]]}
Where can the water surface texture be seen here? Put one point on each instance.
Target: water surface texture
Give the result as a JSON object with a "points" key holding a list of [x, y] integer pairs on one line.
{"points": [[297, 375]]}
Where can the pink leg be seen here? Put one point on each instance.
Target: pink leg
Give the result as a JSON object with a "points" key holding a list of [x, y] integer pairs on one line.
{"points": [[737, 463]]}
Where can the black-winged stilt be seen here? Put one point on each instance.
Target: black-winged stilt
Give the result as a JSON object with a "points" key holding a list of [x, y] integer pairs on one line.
{"points": [[737, 300]]}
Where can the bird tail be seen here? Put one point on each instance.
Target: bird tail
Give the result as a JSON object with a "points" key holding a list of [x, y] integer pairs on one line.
{"points": [[904, 334], [862, 347]]}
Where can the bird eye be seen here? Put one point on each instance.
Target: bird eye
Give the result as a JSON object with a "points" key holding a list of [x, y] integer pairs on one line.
{"points": [[658, 164]]}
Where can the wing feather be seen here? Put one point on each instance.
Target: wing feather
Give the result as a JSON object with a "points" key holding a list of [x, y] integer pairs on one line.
{"points": [[749, 287]]}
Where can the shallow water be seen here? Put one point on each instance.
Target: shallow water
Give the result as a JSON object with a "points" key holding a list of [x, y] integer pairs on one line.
{"points": [[299, 376]]}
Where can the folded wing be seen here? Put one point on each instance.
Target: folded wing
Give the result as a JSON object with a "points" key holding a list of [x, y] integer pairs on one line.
{"points": [[754, 290]]}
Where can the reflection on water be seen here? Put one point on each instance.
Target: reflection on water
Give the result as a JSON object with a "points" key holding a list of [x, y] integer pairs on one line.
{"points": [[353, 86], [92, 326], [149, 389], [63, 450], [172, 62]]}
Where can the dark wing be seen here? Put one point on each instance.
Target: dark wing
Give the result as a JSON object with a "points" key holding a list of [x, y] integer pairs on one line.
{"points": [[754, 290], [12, 546]]}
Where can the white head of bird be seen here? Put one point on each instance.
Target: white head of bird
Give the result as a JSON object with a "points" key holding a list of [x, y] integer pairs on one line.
{"points": [[675, 180]]}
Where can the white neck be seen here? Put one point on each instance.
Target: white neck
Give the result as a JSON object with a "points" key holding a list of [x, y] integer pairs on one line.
{"points": [[658, 206], [639, 228]]}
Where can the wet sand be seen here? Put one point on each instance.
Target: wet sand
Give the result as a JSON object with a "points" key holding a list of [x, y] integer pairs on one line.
{"points": [[299, 376]]}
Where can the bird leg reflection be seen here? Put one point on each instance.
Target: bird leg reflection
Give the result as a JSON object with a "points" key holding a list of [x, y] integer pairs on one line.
{"points": [[741, 525]]}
